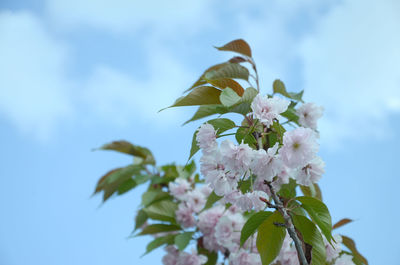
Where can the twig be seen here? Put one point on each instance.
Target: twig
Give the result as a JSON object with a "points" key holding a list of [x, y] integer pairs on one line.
{"points": [[289, 225]]}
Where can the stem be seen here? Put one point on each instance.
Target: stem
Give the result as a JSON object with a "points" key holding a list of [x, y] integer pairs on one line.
{"points": [[289, 226], [251, 61], [288, 220]]}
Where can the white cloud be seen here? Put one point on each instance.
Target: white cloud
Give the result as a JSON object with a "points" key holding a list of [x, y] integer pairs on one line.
{"points": [[118, 98], [33, 86], [351, 65], [345, 56], [123, 16]]}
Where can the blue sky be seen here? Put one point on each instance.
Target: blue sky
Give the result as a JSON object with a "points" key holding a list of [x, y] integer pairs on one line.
{"points": [[76, 74]]}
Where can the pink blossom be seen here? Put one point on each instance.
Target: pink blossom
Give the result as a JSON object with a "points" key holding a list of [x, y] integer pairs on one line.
{"points": [[244, 202], [236, 157], [191, 258], [244, 258], [195, 200], [179, 187], [206, 190], [171, 258], [227, 231], [210, 243], [260, 185], [206, 138], [258, 204], [299, 147], [184, 215], [266, 165], [309, 114], [215, 173], [288, 253], [267, 109], [209, 219]]}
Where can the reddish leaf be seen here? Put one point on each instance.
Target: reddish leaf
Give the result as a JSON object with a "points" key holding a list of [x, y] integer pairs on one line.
{"points": [[342, 223], [227, 82], [239, 46]]}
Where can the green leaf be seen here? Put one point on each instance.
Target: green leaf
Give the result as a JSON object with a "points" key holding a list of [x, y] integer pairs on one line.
{"points": [[203, 95], [351, 245], [243, 106], [212, 257], [239, 46], [252, 224], [207, 110], [288, 190], [158, 242], [319, 213], [312, 191], [111, 182], [229, 97], [140, 219], [279, 87], [311, 236], [341, 223], [128, 148], [291, 115], [212, 198], [126, 186], [183, 239], [270, 238], [226, 82], [220, 125], [152, 196], [188, 170], [162, 210], [245, 135], [158, 228], [228, 70]]}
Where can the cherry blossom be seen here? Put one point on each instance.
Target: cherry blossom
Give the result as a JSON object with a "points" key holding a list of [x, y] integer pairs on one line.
{"points": [[267, 109], [309, 113], [299, 147], [206, 138]]}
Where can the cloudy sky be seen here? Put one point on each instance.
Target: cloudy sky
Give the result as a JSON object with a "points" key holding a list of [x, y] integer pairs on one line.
{"points": [[76, 74]]}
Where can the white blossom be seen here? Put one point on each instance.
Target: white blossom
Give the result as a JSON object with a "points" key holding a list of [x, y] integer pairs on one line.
{"points": [[311, 173], [333, 249], [215, 173], [207, 138], [236, 158], [267, 109], [299, 147], [309, 113], [344, 259], [266, 164]]}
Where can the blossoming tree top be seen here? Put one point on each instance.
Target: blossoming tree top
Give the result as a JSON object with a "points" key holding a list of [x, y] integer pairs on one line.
{"points": [[243, 208]]}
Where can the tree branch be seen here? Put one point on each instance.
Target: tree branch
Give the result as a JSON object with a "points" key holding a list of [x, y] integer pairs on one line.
{"points": [[289, 225]]}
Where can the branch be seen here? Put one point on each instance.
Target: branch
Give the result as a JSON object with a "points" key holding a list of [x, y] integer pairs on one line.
{"points": [[289, 225]]}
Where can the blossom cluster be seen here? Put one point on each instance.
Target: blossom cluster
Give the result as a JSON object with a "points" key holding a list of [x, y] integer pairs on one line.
{"points": [[218, 227], [224, 166]]}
